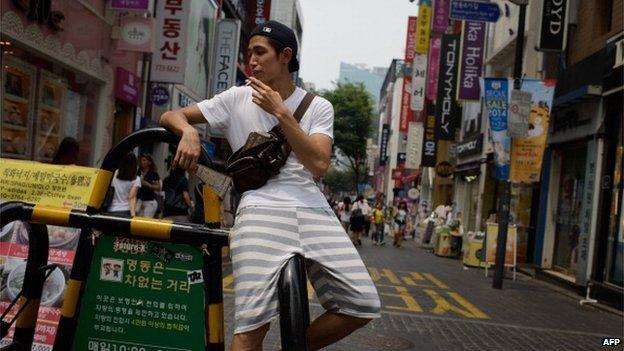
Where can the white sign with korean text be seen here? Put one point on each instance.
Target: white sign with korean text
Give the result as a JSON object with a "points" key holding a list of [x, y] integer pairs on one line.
{"points": [[518, 116], [169, 59], [419, 82], [415, 135]]}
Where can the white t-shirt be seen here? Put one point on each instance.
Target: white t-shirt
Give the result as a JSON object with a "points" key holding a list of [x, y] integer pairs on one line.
{"points": [[122, 190], [234, 114]]}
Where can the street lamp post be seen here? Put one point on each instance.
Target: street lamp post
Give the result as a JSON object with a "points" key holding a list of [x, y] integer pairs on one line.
{"points": [[503, 207]]}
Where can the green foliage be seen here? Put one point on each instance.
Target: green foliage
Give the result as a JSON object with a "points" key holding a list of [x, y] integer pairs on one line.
{"points": [[353, 111], [341, 181], [353, 116]]}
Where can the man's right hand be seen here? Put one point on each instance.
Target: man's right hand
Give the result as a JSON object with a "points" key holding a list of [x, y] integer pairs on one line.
{"points": [[180, 122], [188, 150]]}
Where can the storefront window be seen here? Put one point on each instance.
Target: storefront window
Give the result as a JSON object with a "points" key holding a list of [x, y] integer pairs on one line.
{"points": [[43, 103], [568, 219]]}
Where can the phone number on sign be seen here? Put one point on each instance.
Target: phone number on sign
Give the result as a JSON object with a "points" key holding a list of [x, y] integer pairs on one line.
{"points": [[120, 346]]}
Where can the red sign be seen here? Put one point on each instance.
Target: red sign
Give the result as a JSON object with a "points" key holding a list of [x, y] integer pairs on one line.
{"points": [[397, 174], [127, 86], [258, 12], [410, 42]]}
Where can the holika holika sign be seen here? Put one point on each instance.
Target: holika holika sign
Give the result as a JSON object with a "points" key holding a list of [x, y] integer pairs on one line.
{"points": [[446, 106]]}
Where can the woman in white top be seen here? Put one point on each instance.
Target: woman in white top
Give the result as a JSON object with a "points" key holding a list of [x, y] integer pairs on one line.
{"points": [[126, 184], [345, 213]]}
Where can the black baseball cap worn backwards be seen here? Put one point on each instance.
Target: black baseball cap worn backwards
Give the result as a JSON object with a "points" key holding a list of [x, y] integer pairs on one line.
{"points": [[283, 35]]}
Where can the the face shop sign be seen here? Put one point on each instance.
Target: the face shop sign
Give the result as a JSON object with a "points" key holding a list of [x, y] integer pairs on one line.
{"points": [[470, 146]]}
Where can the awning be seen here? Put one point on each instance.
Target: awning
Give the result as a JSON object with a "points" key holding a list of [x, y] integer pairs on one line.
{"points": [[582, 81]]}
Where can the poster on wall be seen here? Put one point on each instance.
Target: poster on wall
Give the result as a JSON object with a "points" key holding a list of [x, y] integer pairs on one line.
{"points": [[496, 97], [198, 54], [528, 153]]}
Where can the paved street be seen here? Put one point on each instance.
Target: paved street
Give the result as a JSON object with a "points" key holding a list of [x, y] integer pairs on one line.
{"points": [[434, 303]]}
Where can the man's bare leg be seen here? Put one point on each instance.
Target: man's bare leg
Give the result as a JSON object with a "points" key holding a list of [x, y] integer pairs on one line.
{"points": [[251, 340], [330, 327]]}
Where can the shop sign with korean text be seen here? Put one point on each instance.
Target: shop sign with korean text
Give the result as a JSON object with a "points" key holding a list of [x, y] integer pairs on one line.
{"points": [[51, 185], [226, 55], [447, 111], [471, 63], [518, 118], [142, 293], [496, 99], [553, 27], [419, 82], [383, 150], [588, 213], [127, 86], [406, 111], [137, 34], [433, 67], [415, 134], [528, 153], [429, 145], [169, 59], [440, 19], [474, 11], [424, 27], [130, 5]]}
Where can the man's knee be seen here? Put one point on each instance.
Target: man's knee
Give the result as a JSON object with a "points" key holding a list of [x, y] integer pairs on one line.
{"points": [[250, 340], [357, 322]]}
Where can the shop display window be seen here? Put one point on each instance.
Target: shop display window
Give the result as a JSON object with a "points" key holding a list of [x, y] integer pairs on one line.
{"points": [[42, 103], [17, 100]]}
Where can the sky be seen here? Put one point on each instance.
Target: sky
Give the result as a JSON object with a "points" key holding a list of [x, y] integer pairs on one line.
{"points": [[353, 31]]}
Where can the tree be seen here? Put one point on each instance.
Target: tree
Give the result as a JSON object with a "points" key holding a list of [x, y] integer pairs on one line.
{"points": [[353, 114]]}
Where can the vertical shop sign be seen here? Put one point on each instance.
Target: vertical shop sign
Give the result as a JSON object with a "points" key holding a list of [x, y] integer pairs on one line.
{"points": [[446, 106], [528, 153], [383, 150], [201, 21], [440, 18], [433, 69], [406, 111], [419, 82], [424, 27], [586, 222], [169, 59], [496, 97], [226, 55], [127, 86], [258, 12], [429, 146], [553, 29], [415, 135], [137, 34], [471, 63]]}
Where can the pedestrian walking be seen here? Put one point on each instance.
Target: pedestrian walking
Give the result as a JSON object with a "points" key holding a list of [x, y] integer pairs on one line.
{"points": [[147, 205], [126, 185], [378, 225], [177, 204], [366, 211], [345, 214], [358, 216], [288, 215], [400, 220]]}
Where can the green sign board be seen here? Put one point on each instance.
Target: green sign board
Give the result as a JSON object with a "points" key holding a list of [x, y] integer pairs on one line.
{"points": [[142, 296]]}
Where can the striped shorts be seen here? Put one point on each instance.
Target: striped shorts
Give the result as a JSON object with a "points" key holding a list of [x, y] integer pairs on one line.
{"points": [[262, 241]]}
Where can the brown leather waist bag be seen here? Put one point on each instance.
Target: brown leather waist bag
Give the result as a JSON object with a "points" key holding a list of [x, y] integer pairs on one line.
{"points": [[263, 154]]}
